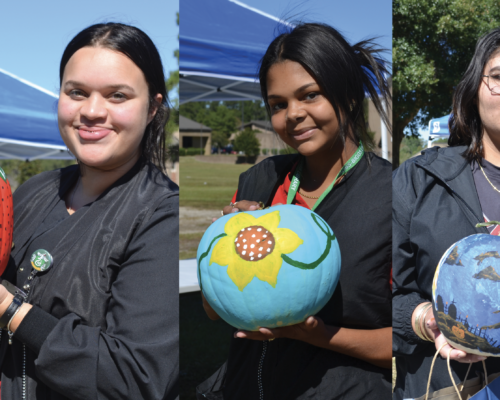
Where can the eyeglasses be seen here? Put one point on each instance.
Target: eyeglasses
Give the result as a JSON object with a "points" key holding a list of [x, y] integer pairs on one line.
{"points": [[494, 81]]}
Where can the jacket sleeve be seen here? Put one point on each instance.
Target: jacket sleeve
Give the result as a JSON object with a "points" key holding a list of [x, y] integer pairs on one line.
{"points": [[136, 355], [406, 293]]}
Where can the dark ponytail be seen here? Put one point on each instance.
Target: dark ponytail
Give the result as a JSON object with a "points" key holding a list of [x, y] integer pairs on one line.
{"points": [[343, 72]]}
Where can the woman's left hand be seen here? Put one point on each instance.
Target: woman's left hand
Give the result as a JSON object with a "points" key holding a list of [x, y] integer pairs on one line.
{"points": [[312, 331], [5, 299], [371, 345]]}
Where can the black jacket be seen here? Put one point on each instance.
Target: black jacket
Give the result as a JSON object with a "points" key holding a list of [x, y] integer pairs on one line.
{"points": [[105, 317], [358, 210], [435, 204]]}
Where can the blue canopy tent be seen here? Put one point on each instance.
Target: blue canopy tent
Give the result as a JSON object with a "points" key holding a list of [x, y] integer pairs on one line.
{"points": [[28, 121], [438, 128], [221, 43]]}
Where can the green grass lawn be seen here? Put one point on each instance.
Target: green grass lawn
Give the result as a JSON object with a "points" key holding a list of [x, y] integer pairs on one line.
{"points": [[189, 245], [208, 185]]}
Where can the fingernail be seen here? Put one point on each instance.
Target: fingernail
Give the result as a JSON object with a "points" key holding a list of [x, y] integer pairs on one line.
{"points": [[252, 208], [461, 354], [235, 210]]}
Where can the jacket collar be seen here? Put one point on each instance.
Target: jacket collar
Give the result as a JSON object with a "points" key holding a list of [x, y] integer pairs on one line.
{"points": [[452, 169]]}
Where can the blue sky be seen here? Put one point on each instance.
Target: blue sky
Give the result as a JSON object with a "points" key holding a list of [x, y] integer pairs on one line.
{"points": [[33, 34], [355, 19]]}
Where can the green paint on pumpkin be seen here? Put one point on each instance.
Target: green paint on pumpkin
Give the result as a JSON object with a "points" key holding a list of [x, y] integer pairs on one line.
{"points": [[206, 254], [314, 264], [2, 175]]}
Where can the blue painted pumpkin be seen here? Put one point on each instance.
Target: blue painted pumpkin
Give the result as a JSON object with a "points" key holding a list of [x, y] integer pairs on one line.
{"points": [[268, 268], [466, 295]]}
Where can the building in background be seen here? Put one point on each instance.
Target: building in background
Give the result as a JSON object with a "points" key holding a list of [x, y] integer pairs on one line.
{"points": [[192, 134]]}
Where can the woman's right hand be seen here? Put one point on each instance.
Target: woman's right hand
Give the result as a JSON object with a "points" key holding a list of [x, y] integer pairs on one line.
{"points": [[433, 332], [242, 205]]}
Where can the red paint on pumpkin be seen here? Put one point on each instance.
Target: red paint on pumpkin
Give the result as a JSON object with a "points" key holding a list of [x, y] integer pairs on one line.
{"points": [[7, 222]]}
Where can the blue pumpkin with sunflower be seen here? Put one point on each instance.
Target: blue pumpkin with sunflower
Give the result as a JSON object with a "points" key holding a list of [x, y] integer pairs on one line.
{"points": [[268, 268]]}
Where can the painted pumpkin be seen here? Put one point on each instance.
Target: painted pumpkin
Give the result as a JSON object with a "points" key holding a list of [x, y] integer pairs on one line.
{"points": [[466, 295], [268, 268], [6, 221]]}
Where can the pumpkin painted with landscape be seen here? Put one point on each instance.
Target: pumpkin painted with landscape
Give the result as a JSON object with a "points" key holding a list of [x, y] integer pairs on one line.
{"points": [[466, 295], [268, 268]]}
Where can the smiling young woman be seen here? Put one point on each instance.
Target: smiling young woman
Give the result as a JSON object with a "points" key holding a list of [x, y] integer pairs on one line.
{"points": [[313, 83], [438, 199], [96, 244], [104, 108]]}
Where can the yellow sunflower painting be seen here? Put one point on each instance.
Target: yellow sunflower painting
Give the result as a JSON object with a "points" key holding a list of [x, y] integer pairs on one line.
{"points": [[253, 248]]}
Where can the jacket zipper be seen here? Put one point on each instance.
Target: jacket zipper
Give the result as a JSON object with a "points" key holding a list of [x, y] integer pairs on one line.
{"points": [[259, 373]]}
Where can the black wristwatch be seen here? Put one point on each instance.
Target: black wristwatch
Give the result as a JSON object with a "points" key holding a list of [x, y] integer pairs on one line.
{"points": [[11, 310]]}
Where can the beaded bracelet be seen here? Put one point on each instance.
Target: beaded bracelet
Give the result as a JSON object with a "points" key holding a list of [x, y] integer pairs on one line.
{"points": [[419, 328]]}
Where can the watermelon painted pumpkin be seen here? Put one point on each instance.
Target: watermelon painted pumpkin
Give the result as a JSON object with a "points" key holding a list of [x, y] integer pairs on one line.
{"points": [[466, 295], [6, 221], [268, 268]]}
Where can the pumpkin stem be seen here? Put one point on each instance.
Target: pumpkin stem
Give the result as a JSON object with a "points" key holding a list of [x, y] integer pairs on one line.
{"points": [[487, 223]]}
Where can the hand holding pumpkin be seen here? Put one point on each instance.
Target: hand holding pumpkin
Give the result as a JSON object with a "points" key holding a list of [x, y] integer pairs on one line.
{"points": [[5, 298], [312, 331], [242, 205], [439, 339]]}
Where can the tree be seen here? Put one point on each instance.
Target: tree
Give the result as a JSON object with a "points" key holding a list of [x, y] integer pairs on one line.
{"points": [[223, 123], [410, 146], [223, 117], [433, 43], [247, 142]]}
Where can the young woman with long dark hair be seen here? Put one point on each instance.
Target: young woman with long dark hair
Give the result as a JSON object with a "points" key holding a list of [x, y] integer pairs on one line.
{"points": [[438, 199], [314, 84], [96, 244]]}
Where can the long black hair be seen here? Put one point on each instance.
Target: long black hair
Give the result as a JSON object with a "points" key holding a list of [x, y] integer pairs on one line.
{"points": [[343, 72], [466, 128], [137, 46]]}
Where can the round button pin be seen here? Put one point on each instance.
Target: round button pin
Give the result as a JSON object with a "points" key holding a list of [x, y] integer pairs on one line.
{"points": [[41, 260]]}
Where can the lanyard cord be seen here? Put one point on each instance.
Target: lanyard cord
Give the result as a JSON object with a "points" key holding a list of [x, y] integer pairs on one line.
{"points": [[295, 183]]}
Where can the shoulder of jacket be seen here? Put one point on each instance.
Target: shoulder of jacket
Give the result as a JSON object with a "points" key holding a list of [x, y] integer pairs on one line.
{"points": [[443, 157], [378, 161], [47, 178], [158, 181], [272, 166]]}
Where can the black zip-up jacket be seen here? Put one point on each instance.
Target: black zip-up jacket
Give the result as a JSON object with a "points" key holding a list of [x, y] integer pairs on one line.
{"points": [[104, 322], [435, 204], [359, 212]]}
